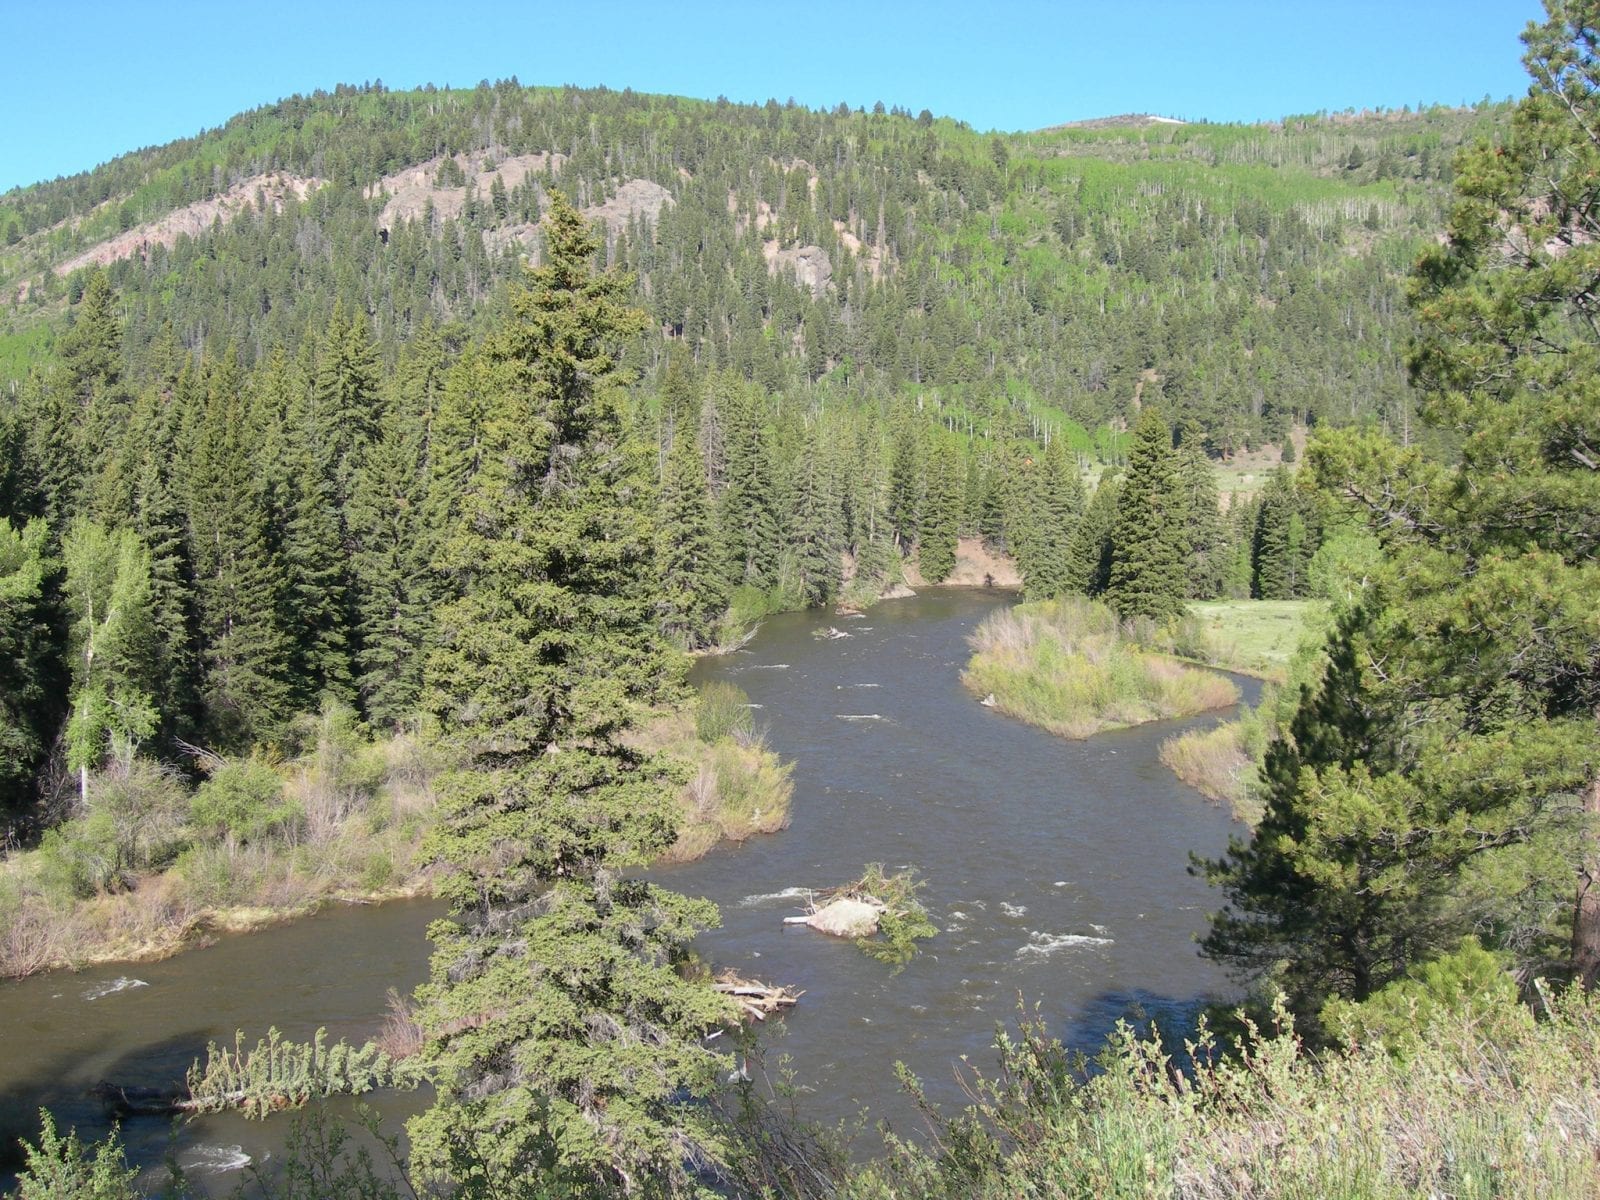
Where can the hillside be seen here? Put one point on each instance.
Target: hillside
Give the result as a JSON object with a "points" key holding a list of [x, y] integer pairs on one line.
{"points": [[864, 252]]}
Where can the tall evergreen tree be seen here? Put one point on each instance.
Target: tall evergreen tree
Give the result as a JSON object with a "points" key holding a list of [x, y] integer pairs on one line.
{"points": [[239, 584], [28, 709], [395, 541], [1149, 541], [694, 589], [1210, 548], [1092, 542], [560, 1029], [936, 548], [1057, 506]]}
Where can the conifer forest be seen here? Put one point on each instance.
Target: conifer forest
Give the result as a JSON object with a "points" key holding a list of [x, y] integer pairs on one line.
{"points": [[376, 467]]}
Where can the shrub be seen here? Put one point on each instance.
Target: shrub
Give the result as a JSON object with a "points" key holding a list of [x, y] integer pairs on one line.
{"points": [[723, 711], [243, 802]]}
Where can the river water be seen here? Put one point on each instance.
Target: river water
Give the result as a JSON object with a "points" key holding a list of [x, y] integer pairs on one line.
{"points": [[1055, 870]]}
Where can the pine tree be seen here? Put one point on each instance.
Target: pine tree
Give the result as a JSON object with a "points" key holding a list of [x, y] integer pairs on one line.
{"points": [[395, 586], [308, 523], [239, 585], [1092, 540], [1058, 506], [1209, 546], [817, 537], [694, 590], [559, 1028], [28, 707], [1312, 896], [1149, 540], [936, 550]]}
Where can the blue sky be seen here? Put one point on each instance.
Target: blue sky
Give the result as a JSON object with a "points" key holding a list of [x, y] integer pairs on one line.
{"points": [[89, 80]]}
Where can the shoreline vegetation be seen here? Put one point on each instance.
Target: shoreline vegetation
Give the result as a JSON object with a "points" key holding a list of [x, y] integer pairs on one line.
{"points": [[1281, 642], [155, 868], [1071, 667]]}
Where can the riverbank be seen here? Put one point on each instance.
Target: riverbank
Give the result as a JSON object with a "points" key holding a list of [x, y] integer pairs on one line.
{"points": [[1277, 640], [152, 869], [1069, 666]]}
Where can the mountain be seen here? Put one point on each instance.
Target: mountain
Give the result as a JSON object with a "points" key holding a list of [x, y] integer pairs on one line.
{"points": [[1068, 274]]}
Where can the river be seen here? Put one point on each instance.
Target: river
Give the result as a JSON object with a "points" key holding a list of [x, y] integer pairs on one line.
{"points": [[1055, 870]]}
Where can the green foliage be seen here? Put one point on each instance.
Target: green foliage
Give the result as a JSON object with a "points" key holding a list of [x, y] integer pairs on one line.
{"points": [[1149, 540], [1071, 667], [904, 921], [115, 661], [1468, 984], [63, 1168], [276, 1074], [1462, 1115], [722, 710], [559, 1032], [243, 801], [26, 709]]}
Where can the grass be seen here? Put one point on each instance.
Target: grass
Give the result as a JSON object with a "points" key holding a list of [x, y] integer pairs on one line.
{"points": [[152, 867], [1256, 637], [1070, 667], [736, 787], [1486, 1102], [1221, 763]]}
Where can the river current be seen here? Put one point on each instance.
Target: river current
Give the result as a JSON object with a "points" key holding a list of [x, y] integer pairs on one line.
{"points": [[1056, 872]]}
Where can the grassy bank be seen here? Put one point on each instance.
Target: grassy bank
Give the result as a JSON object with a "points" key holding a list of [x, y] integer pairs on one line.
{"points": [[736, 787], [154, 865], [1280, 640], [1253, 637], [1070, 667], [1486, 1102]]}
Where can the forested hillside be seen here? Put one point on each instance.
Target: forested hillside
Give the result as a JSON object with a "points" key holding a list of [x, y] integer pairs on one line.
{"points": [[248, 372], [1066, 271]]}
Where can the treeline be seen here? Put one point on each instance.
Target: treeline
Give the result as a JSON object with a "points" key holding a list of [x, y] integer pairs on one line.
{"points": [[203, 556], [1075, 270]]}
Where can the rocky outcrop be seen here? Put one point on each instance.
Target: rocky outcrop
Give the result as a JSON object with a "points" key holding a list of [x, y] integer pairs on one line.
{"points": [[256, 193], [810, 265]]}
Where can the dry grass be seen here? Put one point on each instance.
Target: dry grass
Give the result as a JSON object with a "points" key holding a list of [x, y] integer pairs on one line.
{"points": [[736, 787], [1219, 762], [1069, 667]]}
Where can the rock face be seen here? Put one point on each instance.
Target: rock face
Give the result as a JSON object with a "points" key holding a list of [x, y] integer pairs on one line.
{"points": [[897, 591], [637, 197], [810, 265], [257, 193], [411, 191]]}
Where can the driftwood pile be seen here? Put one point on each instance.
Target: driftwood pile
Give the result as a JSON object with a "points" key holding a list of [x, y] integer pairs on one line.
{"points": [[756, 1000]]}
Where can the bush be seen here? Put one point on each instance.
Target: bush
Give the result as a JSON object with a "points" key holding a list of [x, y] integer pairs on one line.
{"points": [[62, 1169], [723, 711], [243, 802]]}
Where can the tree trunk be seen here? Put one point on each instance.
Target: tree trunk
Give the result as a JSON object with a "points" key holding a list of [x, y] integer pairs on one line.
{"points": [[1586, 914]]}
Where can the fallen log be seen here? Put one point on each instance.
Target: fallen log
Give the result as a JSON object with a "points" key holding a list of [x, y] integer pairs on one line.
{"points": [[756, 1000]]}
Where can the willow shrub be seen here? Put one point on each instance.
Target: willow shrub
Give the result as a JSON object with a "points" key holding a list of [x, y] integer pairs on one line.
{"points": [[1070, 667]]}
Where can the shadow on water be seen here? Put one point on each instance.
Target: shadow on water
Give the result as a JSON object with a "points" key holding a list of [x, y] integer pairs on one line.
{"points": [[60, 1084]]}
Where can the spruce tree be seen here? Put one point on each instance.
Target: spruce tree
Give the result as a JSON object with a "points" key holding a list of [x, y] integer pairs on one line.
{"points": [[936, 549], [29, 706], [1149, 539], [1058, 507], [239, 586], [1092, 540], [560, 1031], [395, 587], [694, 590], [1209, 546]]}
